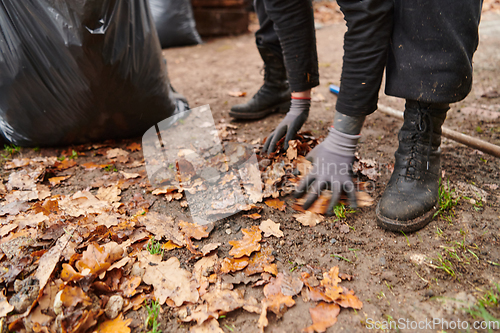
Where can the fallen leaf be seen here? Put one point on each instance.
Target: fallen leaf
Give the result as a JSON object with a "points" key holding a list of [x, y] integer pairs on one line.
{"points": [[318, 207], [49, 260], [127, 175], [116, 152], [17, 163], [232, 265], [162, 226], [117, 325], [14, 208], [5, 307], [172, 282], [309, 219], [110, 194], [239, 277], [291, 152], [97, 259], [69, 274], [254, 216], [270, 228], [170, 246], [223, 300], [209, 326], [136, 301], [92, 166], [348, 300], [203, 267], [206, 249], [276, 204], [364, 199], [71, 296], [194, 230], [237, 93], [64, 164], [247, 245], [134, 146], [367, 167], [129, 285], [31, 220], [289, 285], [278, 303], [330, 283], [324, 315], [262, 262], [82, 203]]}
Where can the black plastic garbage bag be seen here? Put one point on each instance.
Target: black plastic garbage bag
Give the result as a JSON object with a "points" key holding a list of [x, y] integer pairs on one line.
{"points": [[75, 71], [175, 22]]}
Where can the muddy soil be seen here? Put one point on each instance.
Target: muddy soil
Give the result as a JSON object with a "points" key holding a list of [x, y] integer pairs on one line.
{"points": [[396, 276]]}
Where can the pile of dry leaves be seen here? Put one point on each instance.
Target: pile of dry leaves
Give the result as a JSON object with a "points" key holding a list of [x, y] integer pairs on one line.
{"points": [[81, 260]]}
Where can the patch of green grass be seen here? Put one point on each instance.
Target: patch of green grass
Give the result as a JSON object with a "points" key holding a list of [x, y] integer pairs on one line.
{"points": [[407, 240], [74, 155], [340, 257], [446, 202], [476, 204], [152, 318], [110, 168], [229, 327], [445, 265], [482, 309], [10, 150], [341, 211], [154, 247]]}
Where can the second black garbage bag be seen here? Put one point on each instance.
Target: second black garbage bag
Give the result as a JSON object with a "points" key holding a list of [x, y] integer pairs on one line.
{"points": [[80, 70], [175, 22]]}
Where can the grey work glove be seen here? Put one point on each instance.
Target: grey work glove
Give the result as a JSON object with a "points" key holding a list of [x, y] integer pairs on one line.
{"points": [[290, 125], [332, 169]]}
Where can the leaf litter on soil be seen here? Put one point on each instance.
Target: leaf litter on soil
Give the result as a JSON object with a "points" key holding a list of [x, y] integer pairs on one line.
{"points": [[91, 246]]}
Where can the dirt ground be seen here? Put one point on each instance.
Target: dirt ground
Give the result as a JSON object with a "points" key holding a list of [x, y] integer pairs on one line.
{"points": [[388, 278], [432, 273]]}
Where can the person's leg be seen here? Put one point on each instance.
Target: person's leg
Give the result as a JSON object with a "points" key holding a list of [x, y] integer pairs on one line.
{"points": [[430, 65], [294, 24], [274, 95], [369, 28]]}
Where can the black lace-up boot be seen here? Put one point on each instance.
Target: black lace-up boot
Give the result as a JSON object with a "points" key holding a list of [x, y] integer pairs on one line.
{"points": [[274, 95], [410, 199]]}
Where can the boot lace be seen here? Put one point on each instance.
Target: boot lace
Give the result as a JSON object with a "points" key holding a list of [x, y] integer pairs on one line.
{"points": [[424, 123]]}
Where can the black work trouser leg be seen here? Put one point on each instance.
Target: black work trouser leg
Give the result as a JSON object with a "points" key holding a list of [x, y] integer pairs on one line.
{"points": [[427, 45], [369, 28], [266, 35], [430, 55], [292, 23]]}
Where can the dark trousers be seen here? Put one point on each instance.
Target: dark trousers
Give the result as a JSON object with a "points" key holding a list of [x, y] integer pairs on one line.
{"points": [[287, 29], [425, 45]]}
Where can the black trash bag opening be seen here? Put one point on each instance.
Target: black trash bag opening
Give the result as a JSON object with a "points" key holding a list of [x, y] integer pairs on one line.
{"points": [[79, 71]]}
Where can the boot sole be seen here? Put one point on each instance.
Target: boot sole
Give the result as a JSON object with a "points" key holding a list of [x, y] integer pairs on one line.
{"points": [[280, 108], [405, 226]]}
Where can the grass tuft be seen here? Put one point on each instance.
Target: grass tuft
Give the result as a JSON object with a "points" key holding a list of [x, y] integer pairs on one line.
{"points": [[154, 247], [152, 318], [447, 202]]}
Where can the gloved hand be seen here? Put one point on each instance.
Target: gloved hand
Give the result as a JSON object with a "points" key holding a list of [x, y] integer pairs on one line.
{"points": [[290, 125], [332, 169]]}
